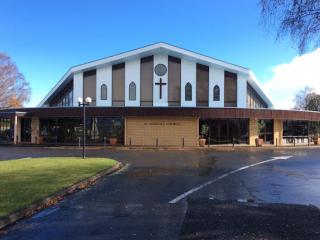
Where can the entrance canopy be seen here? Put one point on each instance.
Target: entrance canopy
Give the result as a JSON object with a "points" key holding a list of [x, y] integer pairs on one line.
{"points": [[201, 112]]}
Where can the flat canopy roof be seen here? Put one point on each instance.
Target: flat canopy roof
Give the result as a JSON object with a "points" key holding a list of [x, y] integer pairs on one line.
{"points": [[202, 112], [8, 113]]}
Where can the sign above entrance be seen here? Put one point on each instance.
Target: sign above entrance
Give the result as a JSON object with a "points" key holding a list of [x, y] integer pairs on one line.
{"points": [[162, 123]]}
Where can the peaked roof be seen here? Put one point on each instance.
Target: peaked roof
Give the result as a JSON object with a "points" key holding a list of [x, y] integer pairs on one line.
{"points": [[151, 50]]}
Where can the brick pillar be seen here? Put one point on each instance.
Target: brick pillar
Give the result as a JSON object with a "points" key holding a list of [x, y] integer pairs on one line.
{"points": [[277, 131], [16, 130], [35, 130], [253, 131]]}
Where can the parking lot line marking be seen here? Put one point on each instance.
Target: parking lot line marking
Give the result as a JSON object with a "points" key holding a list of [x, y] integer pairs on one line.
{"points": [[184, 195], [122, 170]]}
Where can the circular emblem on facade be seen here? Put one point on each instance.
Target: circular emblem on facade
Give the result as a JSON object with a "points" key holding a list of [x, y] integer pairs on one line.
{"points": [[160, 69]]}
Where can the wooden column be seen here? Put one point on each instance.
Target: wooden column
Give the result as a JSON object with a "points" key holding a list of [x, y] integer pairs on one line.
{"points": [[277, 131], [16, 130], [35, 130], [253, 131]]}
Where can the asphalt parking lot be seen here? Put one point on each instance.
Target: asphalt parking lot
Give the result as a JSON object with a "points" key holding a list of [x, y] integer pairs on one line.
{"points": [[171, 194]]}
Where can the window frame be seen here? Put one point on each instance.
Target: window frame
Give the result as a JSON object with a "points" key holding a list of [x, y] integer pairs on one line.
{"points": [[186, 91], [216, 95], [132, 95], [106, 91]]}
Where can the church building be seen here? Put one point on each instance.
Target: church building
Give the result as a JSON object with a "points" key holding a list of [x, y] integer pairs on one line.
{"points": [[157, 95]]}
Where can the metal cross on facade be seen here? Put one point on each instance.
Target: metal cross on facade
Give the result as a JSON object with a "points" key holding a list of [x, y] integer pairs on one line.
{"points": [[160, 84]]}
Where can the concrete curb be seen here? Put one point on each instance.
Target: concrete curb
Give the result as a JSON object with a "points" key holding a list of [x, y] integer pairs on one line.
{"points": [[56, 197], [212, 147]]}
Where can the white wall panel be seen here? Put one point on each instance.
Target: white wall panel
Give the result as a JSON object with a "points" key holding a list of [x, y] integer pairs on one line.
{"points": [[160, 59], [242, 91], [132, 74], [216, 77], [77, 87], [188, 74], [104, 76]]}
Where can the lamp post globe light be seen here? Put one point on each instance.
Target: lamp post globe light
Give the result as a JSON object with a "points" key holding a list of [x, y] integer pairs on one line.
{"points": [[82, 104]]}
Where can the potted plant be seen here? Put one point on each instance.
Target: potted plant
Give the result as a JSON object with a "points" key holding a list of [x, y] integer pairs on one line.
{"points": [[259, 142], [316, 138], [113, 140], [261, 127], [203, 134], [115, 135]]}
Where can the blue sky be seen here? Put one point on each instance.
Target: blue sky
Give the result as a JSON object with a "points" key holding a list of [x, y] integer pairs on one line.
{"points": [[46, 38]]}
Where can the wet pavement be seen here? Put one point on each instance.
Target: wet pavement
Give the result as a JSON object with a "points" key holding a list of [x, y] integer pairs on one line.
{"points": [[134, 203]]}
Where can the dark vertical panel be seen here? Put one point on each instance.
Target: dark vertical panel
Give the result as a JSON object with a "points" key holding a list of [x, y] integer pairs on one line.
{"points": [[146, 81], [62, 94], [253, 98], [174, 81], [118, 85], [202, 85], [230, 89], [89, 85]]}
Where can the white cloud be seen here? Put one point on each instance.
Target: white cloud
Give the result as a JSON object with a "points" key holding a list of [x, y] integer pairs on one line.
{"points": [[288, 78]]}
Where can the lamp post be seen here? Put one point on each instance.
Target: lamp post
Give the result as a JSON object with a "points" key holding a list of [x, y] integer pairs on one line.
{"points": [[84, 104]]}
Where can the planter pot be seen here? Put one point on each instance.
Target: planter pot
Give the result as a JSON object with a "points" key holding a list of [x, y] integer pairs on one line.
{"points": [[113, 141], [259, 142], [202, 142]]}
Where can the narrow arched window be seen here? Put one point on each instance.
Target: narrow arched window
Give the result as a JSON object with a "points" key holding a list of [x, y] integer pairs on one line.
{"points": [[132, 91], [216, 93], [104, 92], [188, 92]]}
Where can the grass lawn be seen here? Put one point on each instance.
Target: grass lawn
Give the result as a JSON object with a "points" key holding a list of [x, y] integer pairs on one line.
{"points": [[24, 181]]}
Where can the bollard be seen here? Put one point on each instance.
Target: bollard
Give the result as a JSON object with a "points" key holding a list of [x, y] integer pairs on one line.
{"points": [[79, 141]]}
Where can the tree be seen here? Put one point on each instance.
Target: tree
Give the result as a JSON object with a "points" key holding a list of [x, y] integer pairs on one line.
{"points": [[313, 102], [301, 98], [307, 99], [14, 89], [300, 19]]}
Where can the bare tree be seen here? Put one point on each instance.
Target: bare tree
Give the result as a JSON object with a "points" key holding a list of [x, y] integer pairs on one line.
{"points": [[301, 98], [313, 102], [14, 89], [300, 19], [307, 99]]}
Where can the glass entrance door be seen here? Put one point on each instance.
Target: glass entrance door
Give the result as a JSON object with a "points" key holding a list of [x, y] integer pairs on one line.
{"points": [[25, 129]]}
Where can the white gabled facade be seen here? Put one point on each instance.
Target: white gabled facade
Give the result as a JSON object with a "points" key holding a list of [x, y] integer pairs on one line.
{"points": [[160, 53]]}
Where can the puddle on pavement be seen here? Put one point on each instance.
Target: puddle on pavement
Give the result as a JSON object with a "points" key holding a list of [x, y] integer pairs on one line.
{"points": [[202, 167]]}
